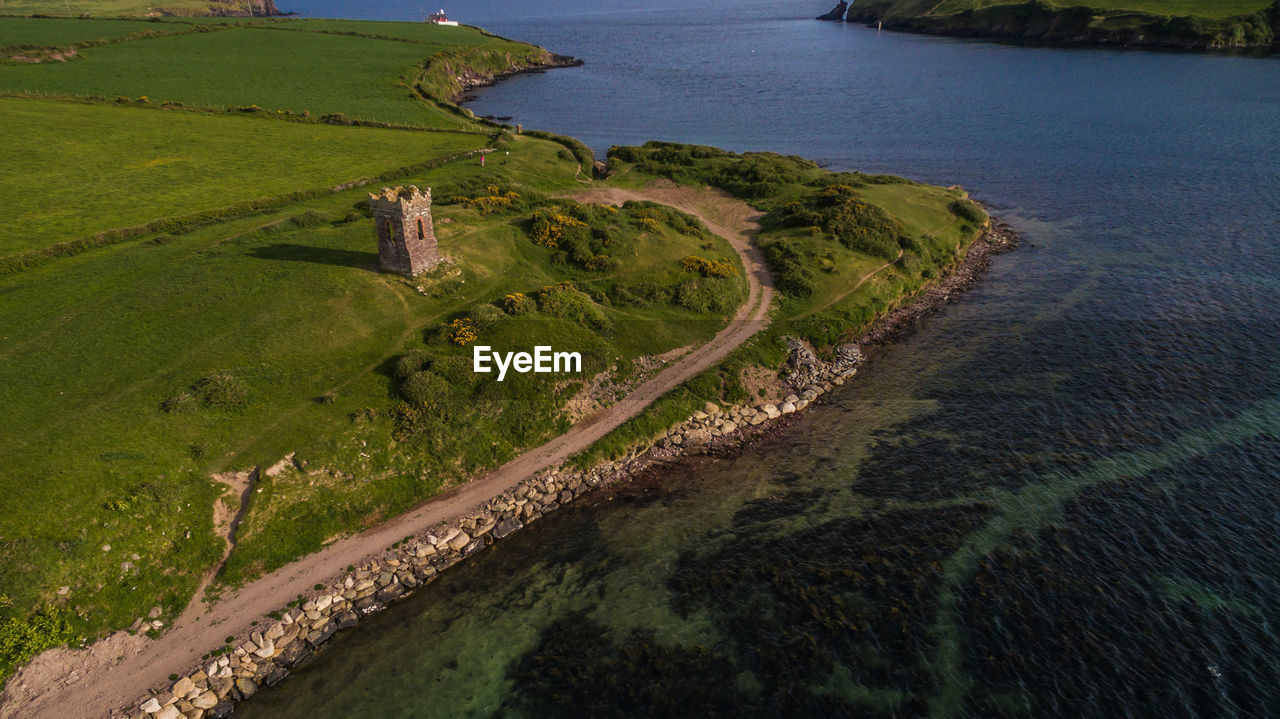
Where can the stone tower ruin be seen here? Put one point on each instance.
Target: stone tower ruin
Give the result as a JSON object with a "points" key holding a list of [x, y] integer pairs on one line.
{"points": [[402, 223]]}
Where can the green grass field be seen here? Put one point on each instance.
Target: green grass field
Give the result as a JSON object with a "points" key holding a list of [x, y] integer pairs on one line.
{"points": [[120, 8], [135, 165], [310, 67], [15, 31]]}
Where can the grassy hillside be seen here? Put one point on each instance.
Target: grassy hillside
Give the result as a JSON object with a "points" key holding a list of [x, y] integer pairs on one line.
{"points": [[823, 232], [1171, 23]]}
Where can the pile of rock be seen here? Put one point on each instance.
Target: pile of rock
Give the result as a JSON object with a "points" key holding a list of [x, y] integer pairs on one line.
{"points": [[264, 657]]}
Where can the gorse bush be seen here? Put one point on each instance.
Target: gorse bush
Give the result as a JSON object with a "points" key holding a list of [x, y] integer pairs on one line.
{"points": [[708, 268], [412, 361], [461, 332], [752, 176], [495, 200], [517, 303], [223, 390], [485, 316], [488, 196], [790, 265], [567, 301], [547, 228], [425, 388], [710, 294]]}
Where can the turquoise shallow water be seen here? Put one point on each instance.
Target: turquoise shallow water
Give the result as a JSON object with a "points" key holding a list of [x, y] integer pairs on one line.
{"points": [[1057, 498]]}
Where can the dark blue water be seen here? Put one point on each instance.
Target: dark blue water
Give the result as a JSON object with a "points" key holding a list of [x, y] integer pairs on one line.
{"points": [[1060, 497]]}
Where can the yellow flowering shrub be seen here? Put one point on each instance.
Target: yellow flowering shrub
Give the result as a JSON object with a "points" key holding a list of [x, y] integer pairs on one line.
{"points": [[462, 332], [547, 227], [708, 268], [517, 304], [494, 202]]}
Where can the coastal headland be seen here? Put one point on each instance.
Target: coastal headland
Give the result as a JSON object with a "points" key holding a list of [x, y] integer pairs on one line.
{"points": [[1138, 23], [237, 425]]}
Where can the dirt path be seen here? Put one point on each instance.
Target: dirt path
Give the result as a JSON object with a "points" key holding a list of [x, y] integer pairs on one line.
{"points": [[66, 684]]}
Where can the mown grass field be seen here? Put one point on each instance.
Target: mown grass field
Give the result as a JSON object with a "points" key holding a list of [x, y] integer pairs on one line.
{"points": [[134, 164]]}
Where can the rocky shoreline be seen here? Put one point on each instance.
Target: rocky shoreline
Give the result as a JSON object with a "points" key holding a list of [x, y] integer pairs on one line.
{"points": [[236, 671], [471, 79]]}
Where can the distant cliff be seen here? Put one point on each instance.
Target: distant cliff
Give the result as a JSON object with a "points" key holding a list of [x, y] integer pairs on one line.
{"points": [[223, 8], [837, 12], [1042, 21]]}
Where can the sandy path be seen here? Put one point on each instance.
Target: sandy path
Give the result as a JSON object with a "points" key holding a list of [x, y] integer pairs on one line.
{"points": [[65, 684]]}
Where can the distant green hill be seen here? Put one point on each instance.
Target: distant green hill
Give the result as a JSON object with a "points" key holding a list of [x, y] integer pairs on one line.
{"points": [[1160, 23], [138, 8]]}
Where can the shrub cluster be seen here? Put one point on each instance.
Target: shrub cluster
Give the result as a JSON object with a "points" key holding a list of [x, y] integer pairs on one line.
{"points": [[790, 264], [485, 316], [22, 639], [567, 301], [517, 303], [709, 294], [838, 211], [708, 268], [462, 332], [220, 390], [547, 227], [753, 175]]}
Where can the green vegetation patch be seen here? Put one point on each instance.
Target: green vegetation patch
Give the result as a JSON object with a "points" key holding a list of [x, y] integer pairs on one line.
{"points": [[843, 249], [267, 66], [75, 169], [128, 8], [44, 32]]}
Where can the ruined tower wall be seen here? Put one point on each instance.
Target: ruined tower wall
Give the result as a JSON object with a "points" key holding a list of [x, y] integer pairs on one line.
{"points": [[402, 223]]}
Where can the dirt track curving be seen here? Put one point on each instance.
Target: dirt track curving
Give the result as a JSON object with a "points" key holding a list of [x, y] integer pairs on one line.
{"points": [[86, 684]]}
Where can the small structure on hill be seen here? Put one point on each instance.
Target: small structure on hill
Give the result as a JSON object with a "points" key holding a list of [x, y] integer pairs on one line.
{"points": [[402, 224], [439, 18]]}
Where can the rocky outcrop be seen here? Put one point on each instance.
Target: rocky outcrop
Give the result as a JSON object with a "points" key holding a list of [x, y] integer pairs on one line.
{"points": [[837, 13]]}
